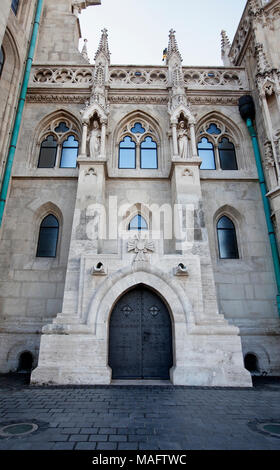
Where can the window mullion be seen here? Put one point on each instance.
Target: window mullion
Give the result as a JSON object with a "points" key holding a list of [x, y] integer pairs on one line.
{"points": [[217, 156]]}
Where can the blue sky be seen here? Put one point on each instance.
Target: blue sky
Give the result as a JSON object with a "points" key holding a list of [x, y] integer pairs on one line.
{"points": [[138, 29]]}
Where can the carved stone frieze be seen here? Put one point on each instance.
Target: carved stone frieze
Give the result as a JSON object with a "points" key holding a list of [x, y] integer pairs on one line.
{"points": [[138, 99], [55, 98]]}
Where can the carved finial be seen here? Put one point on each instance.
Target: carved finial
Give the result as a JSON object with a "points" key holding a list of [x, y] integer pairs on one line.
{"points": [[226, 46], [103, 47], [262, 62], [173, 46], [254, 6], [85, 51]]}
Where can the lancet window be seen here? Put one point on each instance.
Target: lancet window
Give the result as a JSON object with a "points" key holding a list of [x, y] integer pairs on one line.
{"points": [[59, 146], [216, 147], [138, 146]]}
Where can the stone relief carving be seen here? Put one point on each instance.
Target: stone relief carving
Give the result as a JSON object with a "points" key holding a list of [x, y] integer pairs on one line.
{"points": [[141, 248], [91, 172]]}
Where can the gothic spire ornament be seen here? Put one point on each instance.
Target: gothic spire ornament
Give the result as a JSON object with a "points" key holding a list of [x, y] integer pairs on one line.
{"points": [[262, 62], [85, 51], [103, 48], [173, 49], [225, 49]]}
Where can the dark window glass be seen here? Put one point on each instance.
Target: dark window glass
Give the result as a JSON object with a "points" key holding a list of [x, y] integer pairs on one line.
{"points": [[48, 237], [227, 155], [138, 129], [2, 60], [213, 129], [127, 153], [15, 5], [207, 155], [138, 223], [227, 239], [148, 154], [47, 155], [69, 154], [61, 128]]}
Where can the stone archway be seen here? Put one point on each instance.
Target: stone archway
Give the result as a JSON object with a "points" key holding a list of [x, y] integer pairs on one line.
{"points": [[140, 336]]}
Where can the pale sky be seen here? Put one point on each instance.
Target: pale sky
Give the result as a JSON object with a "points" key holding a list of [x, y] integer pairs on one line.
{"points": [[138, 29]]}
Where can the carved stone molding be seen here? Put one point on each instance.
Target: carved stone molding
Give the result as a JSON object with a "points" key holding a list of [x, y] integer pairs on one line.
{"points": [[138, 99], [141, 247], [214, 100], [55, 98]]}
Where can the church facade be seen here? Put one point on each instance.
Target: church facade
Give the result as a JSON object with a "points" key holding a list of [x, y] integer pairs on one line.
{"points": [[134, 240]]}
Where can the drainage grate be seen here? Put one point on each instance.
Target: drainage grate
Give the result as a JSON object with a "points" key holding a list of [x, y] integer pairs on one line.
{"points": [[15, 429], [268, 427], [271, 428]]}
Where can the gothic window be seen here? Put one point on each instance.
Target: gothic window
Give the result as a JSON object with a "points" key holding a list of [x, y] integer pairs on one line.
{"points": [[2, 60], [59, 145], [48, 152], [138, 223], [127, 153], [138, 145], [227, 154], [216, 147], [15, 5], [207, 154], [227, 240], [148, 154], [48, 237], [69, 154]]}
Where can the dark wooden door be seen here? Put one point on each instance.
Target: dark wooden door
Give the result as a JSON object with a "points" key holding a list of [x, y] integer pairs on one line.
{"points": [[140, 341]]}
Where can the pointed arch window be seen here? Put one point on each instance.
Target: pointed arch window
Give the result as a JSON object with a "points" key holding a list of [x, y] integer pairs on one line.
{"points": [[2, 60], [61, 147], [227, 240], [227, 155], [207, 154], [148, 154], [127, 153], [69, 154], [138, 223], [138, 145], [216, 146], [48, 237]]}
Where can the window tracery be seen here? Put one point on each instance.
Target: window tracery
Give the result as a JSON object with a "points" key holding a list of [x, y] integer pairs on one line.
{"points": [[216, 147], [138, 145], [59, 145]]}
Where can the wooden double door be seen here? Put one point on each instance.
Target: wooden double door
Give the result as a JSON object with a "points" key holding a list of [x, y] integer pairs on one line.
{"points": [[140, 336]]}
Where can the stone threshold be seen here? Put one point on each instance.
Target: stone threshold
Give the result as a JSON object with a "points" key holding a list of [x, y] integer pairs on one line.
{"points": [[141, 382]]}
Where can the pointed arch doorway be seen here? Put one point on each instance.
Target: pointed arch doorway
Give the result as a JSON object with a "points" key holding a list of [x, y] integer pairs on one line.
{"points": [[140, 336]]}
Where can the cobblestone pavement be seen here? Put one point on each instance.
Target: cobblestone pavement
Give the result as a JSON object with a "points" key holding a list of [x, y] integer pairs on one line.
{"points": [[139, 417]]}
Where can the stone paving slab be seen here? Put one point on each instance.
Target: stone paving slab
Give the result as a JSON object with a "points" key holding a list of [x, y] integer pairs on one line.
{"points": [[147, 417]]}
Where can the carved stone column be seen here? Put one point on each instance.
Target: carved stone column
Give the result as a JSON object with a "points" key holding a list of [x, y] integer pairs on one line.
{"points": [[84, 138], [193, 140], [175, 140], [103, 138]]}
